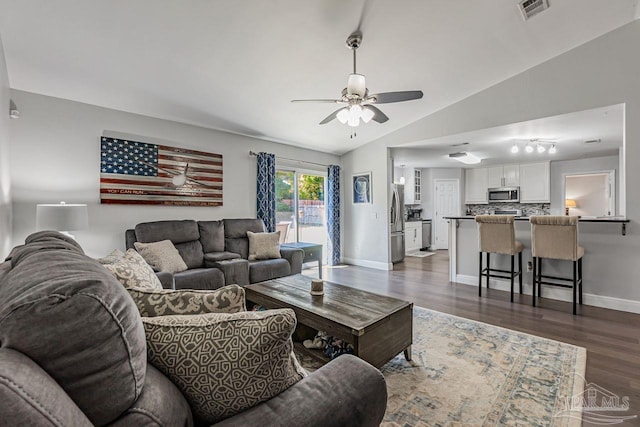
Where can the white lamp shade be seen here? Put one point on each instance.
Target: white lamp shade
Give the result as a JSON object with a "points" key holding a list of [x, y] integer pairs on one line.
{"points": [[356, 85], [343, 115], [367, 114], [62, 217]]}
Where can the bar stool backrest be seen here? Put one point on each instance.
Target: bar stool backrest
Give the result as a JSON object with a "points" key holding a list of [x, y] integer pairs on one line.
{"points": [[496, 234], [554, 237]]}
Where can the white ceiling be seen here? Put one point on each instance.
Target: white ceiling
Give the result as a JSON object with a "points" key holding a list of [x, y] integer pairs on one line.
{"points": [[567, 131], [235, 65]]}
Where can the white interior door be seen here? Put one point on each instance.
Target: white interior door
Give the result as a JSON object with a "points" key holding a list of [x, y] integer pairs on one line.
{"points": [[447, 203]]}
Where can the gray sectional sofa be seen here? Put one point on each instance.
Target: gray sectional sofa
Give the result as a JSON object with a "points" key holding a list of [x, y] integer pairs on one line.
{"points": [[73, 353], [216, 252]]}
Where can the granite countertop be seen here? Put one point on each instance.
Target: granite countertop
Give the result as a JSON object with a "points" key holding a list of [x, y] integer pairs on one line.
{"points": [[614, 219]]}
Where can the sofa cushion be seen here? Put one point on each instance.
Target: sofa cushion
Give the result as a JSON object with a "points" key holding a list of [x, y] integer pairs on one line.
{"points": [[199, 278], [162, 255], [114, 256], [161, 404], [268, 269], [211, 235], [151, 303], [263, 245], [219, 256], [235, 234], [69, 315], [225, 363], [133, 270], [176, 231], [191, 253]]}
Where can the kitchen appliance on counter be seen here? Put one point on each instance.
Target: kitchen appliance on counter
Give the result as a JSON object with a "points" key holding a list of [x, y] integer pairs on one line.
{"points": [[426, 235], [414, 214], [503, 195], [397, 223]]}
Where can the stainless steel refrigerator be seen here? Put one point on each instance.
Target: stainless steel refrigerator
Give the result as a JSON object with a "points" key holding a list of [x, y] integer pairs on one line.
{"points": [[397, 223]]}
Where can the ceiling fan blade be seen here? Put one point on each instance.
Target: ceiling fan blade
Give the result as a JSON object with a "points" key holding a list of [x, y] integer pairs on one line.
{"points": [[389, 97], [332, 101], [378, 115], [331, 116]]}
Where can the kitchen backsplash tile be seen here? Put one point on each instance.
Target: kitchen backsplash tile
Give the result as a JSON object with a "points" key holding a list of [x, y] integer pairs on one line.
{"points": [[528, 209]]}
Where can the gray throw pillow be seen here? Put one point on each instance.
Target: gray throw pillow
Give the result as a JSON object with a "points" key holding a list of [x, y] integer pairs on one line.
{"points": [[154, 302], [162, 255], [114, 256], [263, 245], [225, 363], [133, 271]]}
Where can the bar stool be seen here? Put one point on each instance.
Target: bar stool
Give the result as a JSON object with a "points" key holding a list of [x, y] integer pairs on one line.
{"points": [[556, 237], [496, 235]]}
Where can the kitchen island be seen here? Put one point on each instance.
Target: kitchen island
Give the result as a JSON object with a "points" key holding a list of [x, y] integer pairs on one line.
{"points": [[598, 236]]}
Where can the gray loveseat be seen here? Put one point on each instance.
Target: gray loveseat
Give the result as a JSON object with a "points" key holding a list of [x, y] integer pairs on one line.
{"points": [[216, 252], [73, 353]]}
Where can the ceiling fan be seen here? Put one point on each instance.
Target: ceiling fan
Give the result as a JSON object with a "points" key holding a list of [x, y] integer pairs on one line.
{"points": [[358, 104]]}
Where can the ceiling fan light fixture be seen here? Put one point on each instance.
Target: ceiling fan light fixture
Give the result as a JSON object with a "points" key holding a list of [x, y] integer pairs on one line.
{"points": [[343, 116], [356, 85], [367, 114]]}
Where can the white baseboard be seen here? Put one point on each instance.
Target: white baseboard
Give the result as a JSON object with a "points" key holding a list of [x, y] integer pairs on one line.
{"points": [[366, 263], [562, 294]]}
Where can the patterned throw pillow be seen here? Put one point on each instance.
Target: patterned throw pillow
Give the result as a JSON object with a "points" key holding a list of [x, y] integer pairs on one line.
{"points": [[162, 255], [153, 302], [114, 256], [263, 245], [225, 363], [133, 271]]}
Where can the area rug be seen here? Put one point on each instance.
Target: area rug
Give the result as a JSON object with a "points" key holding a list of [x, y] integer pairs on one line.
{"points": [[467, 373], [419, 254]]}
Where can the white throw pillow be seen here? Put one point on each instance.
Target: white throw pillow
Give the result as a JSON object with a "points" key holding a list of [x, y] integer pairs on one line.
{"points": [[263, 245], [162, 255], [133, 271], [225, 363]]}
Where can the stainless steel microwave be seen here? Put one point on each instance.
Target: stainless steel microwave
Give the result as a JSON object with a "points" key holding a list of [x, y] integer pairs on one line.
{"points": [[503, 195]]}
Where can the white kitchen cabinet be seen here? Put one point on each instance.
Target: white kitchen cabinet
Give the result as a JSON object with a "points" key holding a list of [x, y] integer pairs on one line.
{"points": [[412, 186], [503, 176], [475, 186], [412, 236], [534, 183]]}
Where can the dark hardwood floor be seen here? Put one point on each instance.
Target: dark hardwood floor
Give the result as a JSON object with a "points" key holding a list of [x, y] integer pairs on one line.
{"points": [[612, 338]]}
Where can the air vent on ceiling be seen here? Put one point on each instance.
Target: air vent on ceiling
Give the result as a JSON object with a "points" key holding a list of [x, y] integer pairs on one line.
{"points": [[593, 141], [528, 8], [459, 144]]}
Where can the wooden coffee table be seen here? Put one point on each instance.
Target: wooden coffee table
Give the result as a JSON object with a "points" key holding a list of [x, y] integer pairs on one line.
{"points": [[377, 326]]}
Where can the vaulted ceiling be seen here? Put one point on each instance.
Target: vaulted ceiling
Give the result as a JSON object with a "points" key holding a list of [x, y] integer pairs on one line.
{"points": [[235, 65]]}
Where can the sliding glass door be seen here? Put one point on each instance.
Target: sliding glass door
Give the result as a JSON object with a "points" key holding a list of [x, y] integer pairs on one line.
{"points": [[301, 207]]}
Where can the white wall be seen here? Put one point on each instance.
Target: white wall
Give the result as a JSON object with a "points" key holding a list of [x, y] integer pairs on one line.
{"points": [[599, 73], [55, 154], [5, 177], [595, 164]]}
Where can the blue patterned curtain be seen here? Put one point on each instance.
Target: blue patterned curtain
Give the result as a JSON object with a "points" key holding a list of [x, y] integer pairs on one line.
{"points": [[333, 214], [266, 190]]}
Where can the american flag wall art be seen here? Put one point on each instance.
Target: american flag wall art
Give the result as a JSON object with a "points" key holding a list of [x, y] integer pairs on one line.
{"points": [[133, 172]]}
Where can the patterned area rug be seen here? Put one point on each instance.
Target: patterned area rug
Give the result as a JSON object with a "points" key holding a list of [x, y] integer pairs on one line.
{"points": [[467, 373]]}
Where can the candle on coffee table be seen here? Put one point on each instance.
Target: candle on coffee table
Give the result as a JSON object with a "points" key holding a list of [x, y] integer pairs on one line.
{"points": [[317, 287]]}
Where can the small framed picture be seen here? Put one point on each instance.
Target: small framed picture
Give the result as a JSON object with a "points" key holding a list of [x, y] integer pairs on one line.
{"points": [[361, 188]]}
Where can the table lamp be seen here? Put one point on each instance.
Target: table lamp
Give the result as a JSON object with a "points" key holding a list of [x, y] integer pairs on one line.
{"points": [[62, 217], [569, 203]]}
